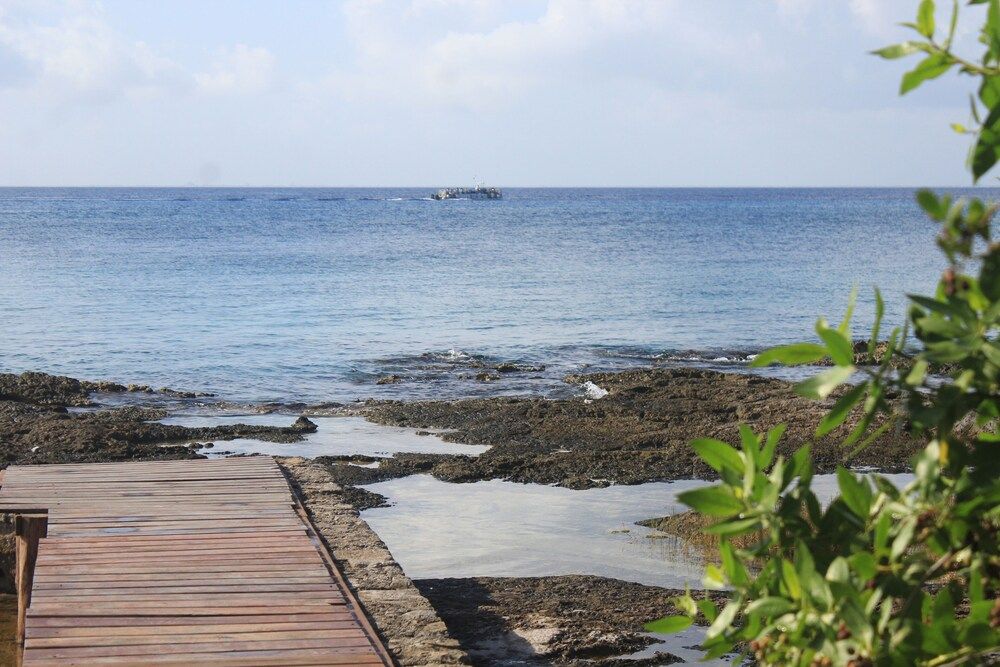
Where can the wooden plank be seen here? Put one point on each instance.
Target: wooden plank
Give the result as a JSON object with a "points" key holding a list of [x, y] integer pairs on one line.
{"points": [[166, 622], [181, 562], [240, 634], [189, 629], [333, 643], [260, 658], [56, 582]]}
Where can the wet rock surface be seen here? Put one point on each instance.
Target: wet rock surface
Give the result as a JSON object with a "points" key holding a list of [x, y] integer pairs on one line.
{"points": [[36, 427], [565, 620], [407, 622], [639, 432]]}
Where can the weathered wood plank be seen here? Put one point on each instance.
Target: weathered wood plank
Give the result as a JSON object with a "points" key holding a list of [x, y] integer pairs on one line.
{"points": [[181, 562]]}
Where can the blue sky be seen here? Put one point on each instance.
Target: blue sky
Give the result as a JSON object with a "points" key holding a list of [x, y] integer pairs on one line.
{"points": [[433, 92]]}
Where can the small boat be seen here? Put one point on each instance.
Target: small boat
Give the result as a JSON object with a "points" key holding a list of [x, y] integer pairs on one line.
{"points": [[478, 192]]}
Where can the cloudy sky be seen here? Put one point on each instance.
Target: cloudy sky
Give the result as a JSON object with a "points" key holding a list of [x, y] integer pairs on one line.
{"points": [[431, 92]]}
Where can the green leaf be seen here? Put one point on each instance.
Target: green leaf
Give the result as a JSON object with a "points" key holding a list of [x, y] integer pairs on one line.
{"points": [[992, 353], [942, 307], [770, 444], [879, 313], [802, 463], [840, 349], [894, 51], [708, 610], [685, 603], [985, 153], [992, 28], [856, 494], [976, 593], [723, 620], [820, 386], [882, 528], [714, 579], [929, 202], [917, 374], [863, 562], [790, 355], [668, 625], [947, 352], [770, 606], [989, 275], [845, 324], [989, 92], [750, 443], [712, 501], [904, 537], [930, 67], [925, 18], [839, 571], [737, 527], [836, 416], [790, 580], [718, 454], [732, 565]]}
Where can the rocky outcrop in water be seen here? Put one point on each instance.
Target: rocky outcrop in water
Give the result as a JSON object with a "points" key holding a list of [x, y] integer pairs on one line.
{"points": [[45, 389]]}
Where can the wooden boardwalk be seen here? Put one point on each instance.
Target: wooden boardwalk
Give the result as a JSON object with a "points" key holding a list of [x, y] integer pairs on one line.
{"points": [[205, 562]]}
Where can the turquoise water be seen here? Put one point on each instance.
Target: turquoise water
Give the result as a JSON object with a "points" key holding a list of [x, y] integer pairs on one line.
{"points": [[313, 294]]}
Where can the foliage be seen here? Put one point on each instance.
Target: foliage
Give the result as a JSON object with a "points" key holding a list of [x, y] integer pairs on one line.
{"points": [[881, 575]]}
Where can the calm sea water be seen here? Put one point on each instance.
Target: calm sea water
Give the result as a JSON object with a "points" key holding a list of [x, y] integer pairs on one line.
{"points": [[279, 294]]}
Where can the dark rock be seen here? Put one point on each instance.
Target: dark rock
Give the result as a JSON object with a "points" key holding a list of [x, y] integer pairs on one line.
{"points": [[35, 426], [304, 425], [43, 389], [486, 376], [390, 379], [564, 620], [512, 367], [174, 393], [640, 432]]}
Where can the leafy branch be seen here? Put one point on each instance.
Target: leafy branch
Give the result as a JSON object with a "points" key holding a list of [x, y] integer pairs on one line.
{"points": [[881, 575]]}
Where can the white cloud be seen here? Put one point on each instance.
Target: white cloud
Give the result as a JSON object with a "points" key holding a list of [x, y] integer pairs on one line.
{"points": [[439, 52], [879, 17], [71, 50], [239, 70]]}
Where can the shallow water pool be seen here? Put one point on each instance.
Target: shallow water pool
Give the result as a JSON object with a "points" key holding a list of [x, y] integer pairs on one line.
{"points": [[497, 528], [336, 436]]}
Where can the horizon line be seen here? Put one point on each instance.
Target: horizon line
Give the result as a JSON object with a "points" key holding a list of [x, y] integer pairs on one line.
{"points": [[515, 187]]}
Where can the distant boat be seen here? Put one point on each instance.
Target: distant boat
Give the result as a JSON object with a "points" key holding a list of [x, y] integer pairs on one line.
{"points": [[478, 192]]}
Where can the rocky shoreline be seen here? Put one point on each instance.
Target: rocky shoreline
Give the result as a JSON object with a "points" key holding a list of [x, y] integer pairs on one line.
{"points": [[637, 431]]}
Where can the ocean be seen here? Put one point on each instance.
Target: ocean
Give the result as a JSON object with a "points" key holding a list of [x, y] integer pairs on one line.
{"points": [[316, 294]]}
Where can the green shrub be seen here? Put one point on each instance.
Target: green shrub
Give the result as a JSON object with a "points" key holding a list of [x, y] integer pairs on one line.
{"points": [[882, 575]]}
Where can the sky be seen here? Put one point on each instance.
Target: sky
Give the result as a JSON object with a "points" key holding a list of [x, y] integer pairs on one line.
{"points": [[442, 92]]}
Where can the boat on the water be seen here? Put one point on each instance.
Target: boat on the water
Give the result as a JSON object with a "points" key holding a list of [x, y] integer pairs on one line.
{"points": [[478, 192]]}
